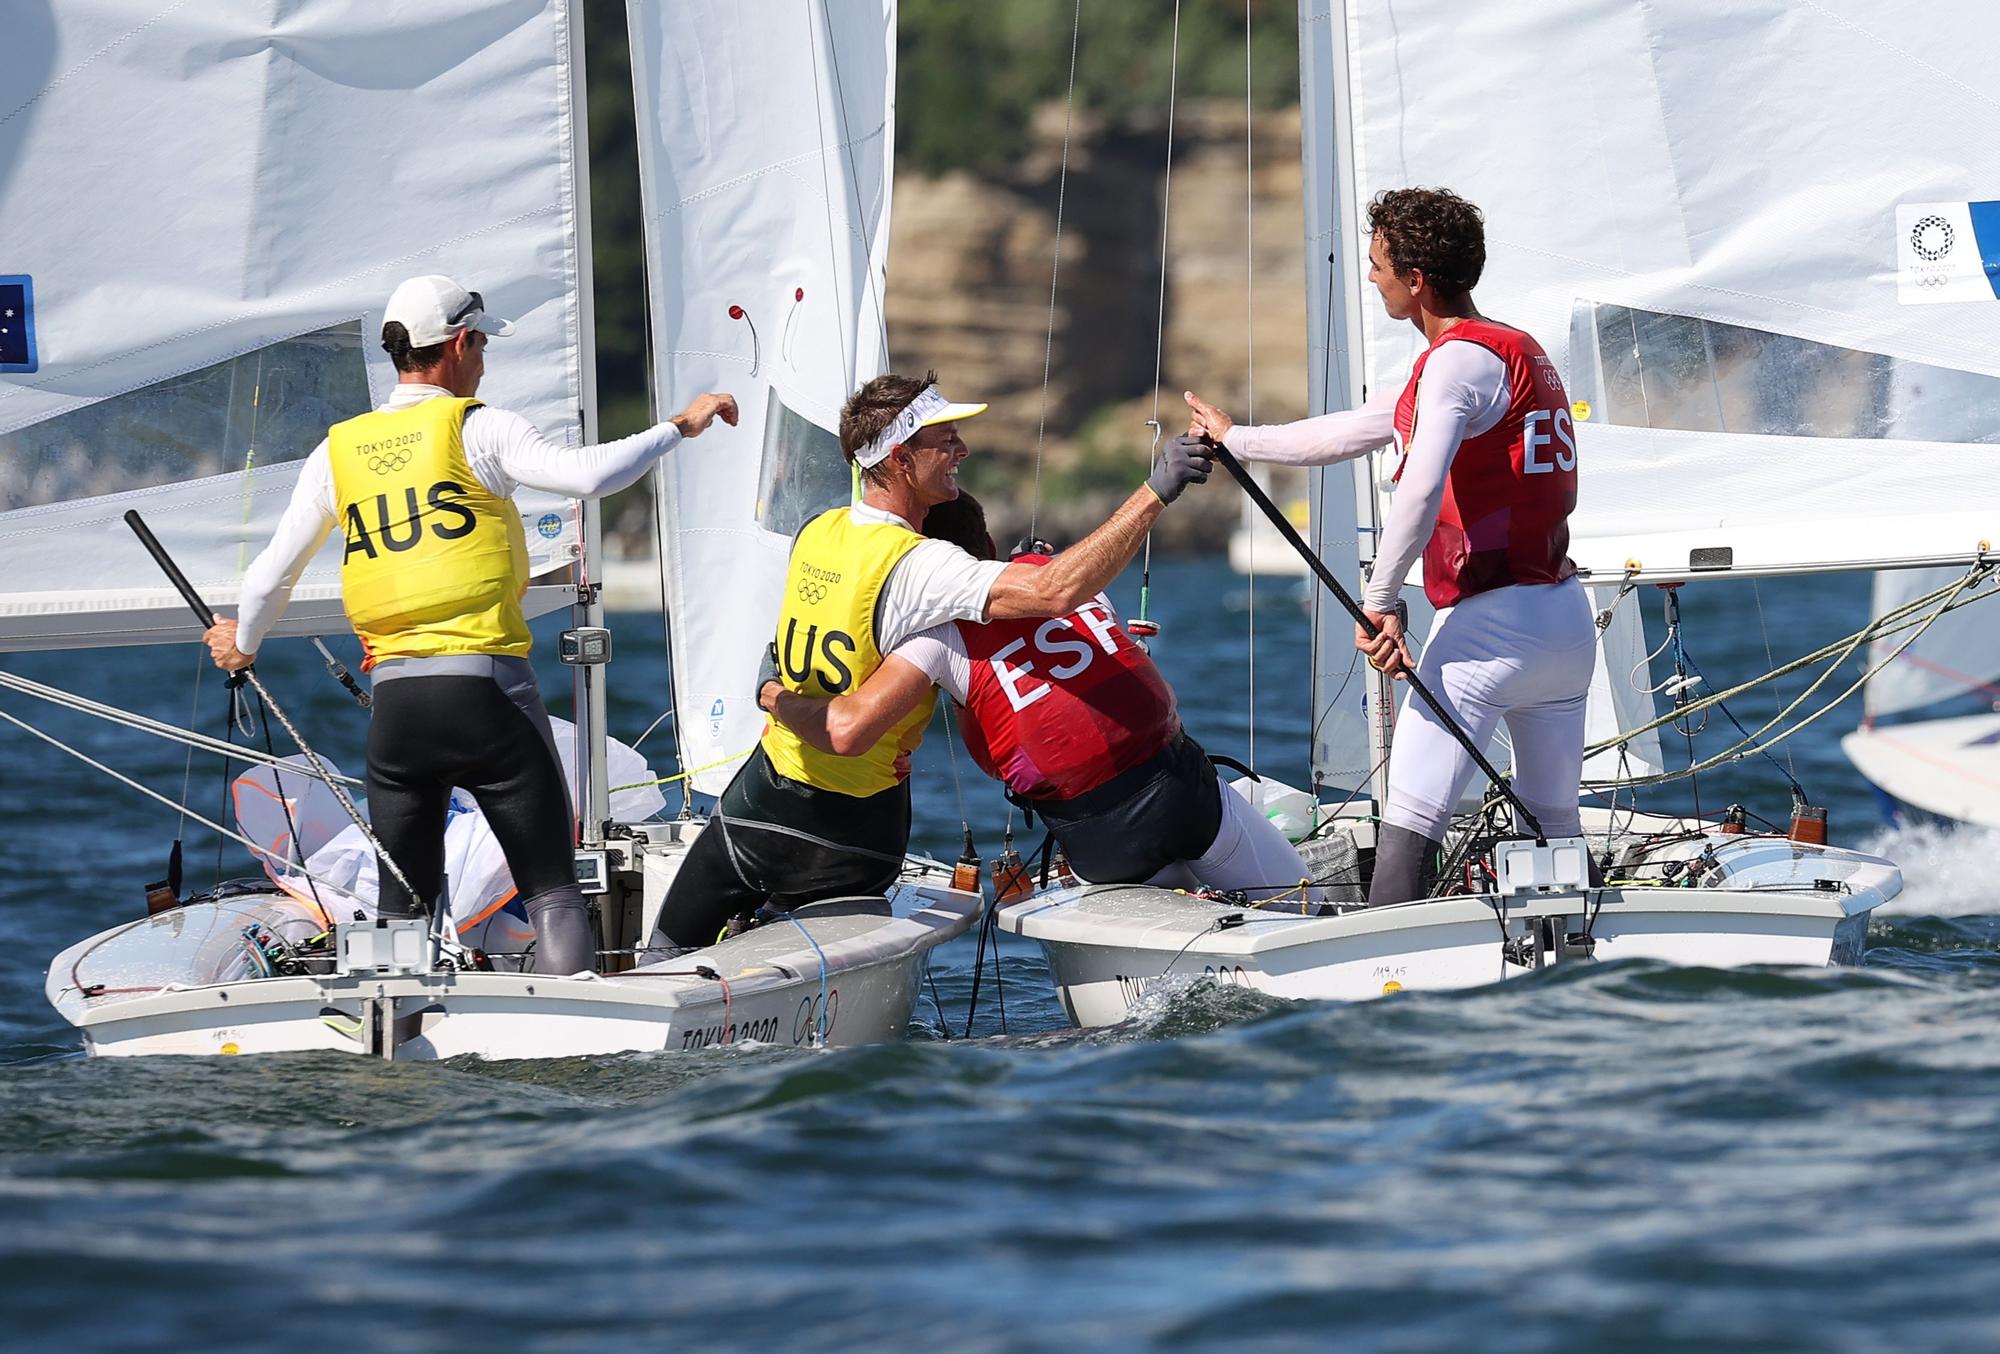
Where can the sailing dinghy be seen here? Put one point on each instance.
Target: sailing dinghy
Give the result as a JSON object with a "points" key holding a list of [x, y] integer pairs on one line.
{"points": [[187, 365], [1734, 289], [1938, 766]]}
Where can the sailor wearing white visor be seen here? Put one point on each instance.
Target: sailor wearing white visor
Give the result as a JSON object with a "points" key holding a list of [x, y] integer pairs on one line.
{"points": [[432, 576], [799, 823]]}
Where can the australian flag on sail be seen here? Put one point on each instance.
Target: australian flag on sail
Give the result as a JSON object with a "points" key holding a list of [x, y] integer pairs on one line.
{"points": [[17, 323]]}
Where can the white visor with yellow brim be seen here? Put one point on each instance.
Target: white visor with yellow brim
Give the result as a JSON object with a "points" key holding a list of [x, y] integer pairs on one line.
{"points": [[929, 407]]}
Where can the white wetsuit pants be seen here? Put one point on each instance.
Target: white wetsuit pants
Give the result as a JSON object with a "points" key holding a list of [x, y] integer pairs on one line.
{"points": [[1248, 853], [1523, 654]]}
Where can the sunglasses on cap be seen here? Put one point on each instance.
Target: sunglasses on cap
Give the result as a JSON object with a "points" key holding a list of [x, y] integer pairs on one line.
{"points": [[473, 302]]}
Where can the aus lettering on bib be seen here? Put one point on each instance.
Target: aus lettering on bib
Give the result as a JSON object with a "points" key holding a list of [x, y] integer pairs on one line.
{"points": [[1054, 639], [820, 652], [1542, 429], [406, 531]]}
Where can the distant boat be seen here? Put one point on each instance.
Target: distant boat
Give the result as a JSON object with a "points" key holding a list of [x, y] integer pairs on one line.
{"points": [[1256, 547], [1946, 768]]}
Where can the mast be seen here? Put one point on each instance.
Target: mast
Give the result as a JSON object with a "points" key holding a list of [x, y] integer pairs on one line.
{"points": [[592, 712], [1344, 511]]}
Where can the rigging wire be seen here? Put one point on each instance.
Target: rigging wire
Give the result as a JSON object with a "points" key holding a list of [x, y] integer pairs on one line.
{"points": [[1055, 274], [1947, 598], [1160, 319], [1888, 623], [201, 664], [1250, 360], [149, 792], [143, 724], [1777, 693]]}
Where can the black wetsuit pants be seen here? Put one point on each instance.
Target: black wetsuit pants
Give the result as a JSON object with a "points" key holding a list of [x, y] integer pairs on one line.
{"points": [[478, 723], [780, 841], [1166, 809]]}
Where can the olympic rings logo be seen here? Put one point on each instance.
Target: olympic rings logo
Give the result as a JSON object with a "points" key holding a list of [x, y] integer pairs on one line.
{"points": [[816, 1018], [1932, 280], [811, 593], [391, 461]]}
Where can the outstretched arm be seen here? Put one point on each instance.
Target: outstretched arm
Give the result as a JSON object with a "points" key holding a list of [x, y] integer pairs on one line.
{"points": [[1329, 438], [1079, 573], [526, 457], [849, 725]]}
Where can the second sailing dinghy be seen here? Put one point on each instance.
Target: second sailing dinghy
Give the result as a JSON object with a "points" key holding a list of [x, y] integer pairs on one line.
{"points": [[186, 368], [1732, 290]]}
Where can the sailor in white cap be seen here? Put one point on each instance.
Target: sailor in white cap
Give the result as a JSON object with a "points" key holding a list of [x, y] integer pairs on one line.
{"points": [[799, 823], [432, 576]]}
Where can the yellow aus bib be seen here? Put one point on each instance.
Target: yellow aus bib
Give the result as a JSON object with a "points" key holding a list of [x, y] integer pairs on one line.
{"points": [[827, 646], [436, 563]]}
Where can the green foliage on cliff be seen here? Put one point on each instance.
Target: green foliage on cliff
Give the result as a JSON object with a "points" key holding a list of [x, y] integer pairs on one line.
{"points": [[969, 75], [970, 72]]}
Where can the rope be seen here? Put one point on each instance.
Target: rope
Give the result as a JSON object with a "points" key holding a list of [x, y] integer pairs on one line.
{"points": [[1160, 318], [143, 724], [1888, 623], [684, 775], [213, 826], [1891, 623], [1055, 270], [819, 1024], [346, 802]]}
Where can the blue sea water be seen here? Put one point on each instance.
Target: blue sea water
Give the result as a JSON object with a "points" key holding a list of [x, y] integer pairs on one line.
{"points": [[1618, 1156]]}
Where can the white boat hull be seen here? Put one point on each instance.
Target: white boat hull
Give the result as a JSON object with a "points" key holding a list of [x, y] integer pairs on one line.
{"points": [[855, 980], [1109, 947], [1942, 768]]}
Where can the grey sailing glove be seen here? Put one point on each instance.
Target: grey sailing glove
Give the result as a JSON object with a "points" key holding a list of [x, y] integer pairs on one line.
{"points": [[767, 671], [1185, 460]]}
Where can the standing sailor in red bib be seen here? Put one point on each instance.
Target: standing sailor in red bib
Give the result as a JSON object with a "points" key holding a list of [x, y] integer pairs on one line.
{"points": [[432, 577], [800, 823], [1484, 493], [1075, 720]]}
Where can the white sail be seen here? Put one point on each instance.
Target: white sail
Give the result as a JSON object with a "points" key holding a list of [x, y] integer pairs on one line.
{"points": [[1342, 691], [765, 141], [1724, 222], [202, 212], [1341, 325], [1957, 653]]}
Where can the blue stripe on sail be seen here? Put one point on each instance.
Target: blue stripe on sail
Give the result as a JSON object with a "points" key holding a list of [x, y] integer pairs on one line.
{"points": [[17, 324], [1986, 234]]}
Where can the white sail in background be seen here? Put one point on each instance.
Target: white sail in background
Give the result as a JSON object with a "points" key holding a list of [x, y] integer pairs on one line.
{"points": [[1957, 653], [1722, 222], [208, 206], [765, 141]]}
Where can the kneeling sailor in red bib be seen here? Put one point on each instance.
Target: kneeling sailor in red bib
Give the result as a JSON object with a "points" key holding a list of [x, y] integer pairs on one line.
{"points": [[1484, 494], [1075, 720]]}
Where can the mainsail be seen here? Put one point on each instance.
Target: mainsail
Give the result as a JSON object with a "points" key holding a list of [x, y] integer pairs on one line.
{"points": [[202, 212], [1773, 313], [765, 143], [1727, 225]]}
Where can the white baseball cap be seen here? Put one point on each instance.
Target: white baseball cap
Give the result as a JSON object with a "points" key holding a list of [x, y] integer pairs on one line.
{"points": [[432, 308], [929, 407]]}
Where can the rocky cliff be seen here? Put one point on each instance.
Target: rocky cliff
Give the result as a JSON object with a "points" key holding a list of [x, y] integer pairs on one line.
{"points": [[969, 295]]}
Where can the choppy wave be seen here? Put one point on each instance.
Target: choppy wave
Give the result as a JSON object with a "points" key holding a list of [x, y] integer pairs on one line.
{"points": [[1616, 1156]]}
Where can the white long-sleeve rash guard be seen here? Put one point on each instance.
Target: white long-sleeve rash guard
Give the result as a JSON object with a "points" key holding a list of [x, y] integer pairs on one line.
{"points": [[1463, 394], [505, 452]]}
